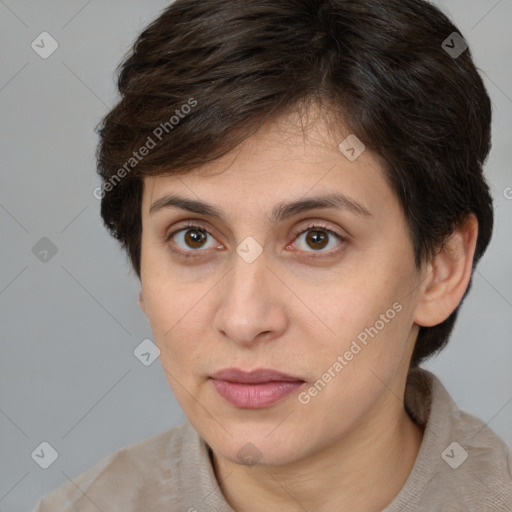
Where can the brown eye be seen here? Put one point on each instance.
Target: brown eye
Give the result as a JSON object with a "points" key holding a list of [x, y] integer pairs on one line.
{"points": [[318, 238], [191, 239], [195, 237]]}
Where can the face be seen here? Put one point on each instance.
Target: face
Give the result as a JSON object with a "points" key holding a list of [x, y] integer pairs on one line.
{"points": [[326, 295]]}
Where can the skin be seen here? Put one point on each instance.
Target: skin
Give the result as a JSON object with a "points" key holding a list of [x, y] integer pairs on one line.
{"points": [[353, 445]]}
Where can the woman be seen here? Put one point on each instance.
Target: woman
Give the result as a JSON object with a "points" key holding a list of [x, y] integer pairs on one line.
{"points": [[298, 185]]}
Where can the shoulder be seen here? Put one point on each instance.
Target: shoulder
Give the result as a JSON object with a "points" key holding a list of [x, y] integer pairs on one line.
{"points": [[471, 440], [475, 467], [129, 479], [462, 462], [479, 459]]}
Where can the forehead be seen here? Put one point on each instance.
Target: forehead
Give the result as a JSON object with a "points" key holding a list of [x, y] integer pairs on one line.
{"points": [[285, 160]]}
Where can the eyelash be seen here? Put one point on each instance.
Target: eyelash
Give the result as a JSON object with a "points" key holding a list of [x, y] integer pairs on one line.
{"points": [[296, 234]]}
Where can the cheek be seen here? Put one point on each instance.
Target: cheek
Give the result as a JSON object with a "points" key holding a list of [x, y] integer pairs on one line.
{"points": [[170, 314], [353, 368], [366, 319], [364, 332], [177, 316]]}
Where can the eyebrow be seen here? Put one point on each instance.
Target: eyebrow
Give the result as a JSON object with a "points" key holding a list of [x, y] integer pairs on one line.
{"points": [[280, 212]]}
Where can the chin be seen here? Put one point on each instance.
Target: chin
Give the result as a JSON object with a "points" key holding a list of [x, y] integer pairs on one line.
{"points": [[255, 447]]}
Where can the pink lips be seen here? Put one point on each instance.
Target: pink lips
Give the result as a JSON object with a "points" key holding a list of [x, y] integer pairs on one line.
{"points": [[256, 389]]}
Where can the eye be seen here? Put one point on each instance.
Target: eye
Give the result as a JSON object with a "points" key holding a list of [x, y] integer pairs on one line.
{"points": [[190, 239], [318, 238]]}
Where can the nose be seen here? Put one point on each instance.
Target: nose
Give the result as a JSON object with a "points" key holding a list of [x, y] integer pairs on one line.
{"points": [[251, 305]]}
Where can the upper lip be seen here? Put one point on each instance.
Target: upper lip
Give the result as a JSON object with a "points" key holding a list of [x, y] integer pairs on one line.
{"points": [[254, 376]]}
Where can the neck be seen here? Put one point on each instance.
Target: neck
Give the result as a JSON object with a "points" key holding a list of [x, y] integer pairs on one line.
{"points": [[362, 471]]}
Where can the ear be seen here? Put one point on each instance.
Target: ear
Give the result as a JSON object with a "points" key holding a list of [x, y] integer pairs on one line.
{"points": [[142, 304], [447, 276]]}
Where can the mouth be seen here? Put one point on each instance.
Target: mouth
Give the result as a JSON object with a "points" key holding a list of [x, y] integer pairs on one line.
{"points": [[256, 389], [254, 377]]}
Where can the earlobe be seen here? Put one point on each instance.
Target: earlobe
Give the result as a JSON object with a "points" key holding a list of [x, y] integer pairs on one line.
{"points": [[448, 275], [142, 304]]}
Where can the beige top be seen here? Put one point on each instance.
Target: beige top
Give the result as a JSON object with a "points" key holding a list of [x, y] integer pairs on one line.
{"points": [[462, 465]]}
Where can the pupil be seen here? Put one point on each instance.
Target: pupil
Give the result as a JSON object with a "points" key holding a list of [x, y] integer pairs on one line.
{"points": [[194, 237], [317, 236]]}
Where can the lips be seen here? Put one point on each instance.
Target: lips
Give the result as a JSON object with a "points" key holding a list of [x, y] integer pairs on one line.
{"points": [[254, 377], [256, 389]]}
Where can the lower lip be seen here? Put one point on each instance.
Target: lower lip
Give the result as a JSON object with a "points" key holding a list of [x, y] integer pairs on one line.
{"points": [[254, 396]]}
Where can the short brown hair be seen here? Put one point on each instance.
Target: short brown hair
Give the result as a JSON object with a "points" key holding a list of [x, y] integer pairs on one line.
{"points": [[380, 63]]}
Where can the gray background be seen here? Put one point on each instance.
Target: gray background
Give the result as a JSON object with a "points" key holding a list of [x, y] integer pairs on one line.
{"points": [[69, 326]]}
